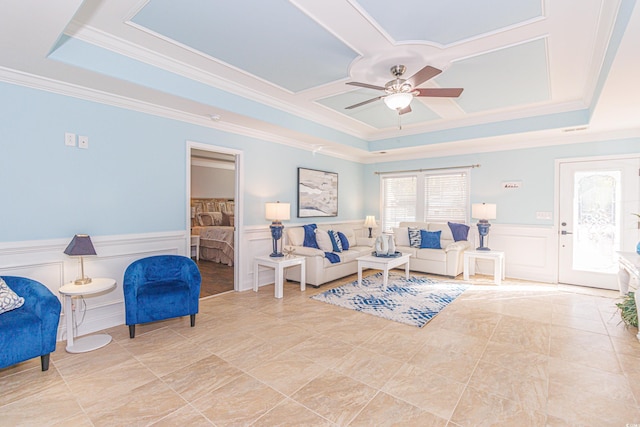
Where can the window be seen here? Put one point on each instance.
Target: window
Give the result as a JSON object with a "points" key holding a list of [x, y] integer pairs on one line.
{"points": [[425, 196]]}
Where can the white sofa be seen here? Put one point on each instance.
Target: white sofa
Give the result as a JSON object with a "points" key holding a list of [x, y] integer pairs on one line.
{"points": [[319, 269], [448, 261]]}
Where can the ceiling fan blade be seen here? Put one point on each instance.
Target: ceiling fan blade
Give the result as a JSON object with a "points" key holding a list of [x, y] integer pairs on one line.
{"points": [[365, 85], [405, 110], [440, 92], [423, 75], [360, 104]]}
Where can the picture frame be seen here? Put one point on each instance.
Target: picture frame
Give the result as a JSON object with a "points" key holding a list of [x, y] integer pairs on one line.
{"points": [[317, 193]]}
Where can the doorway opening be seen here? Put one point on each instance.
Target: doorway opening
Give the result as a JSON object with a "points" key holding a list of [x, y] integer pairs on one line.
{"points": [[213, 206]]}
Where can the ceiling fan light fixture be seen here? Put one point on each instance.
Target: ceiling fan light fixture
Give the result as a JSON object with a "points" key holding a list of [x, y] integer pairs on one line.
{"points": [[398, 101]]}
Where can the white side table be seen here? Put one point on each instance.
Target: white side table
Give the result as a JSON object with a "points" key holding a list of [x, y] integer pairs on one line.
{"points": [[195, 242], [498, 264], [279, 264], [91, 342]]}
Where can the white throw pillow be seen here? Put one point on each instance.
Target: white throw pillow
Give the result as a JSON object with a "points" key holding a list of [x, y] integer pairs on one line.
{"points": [[402, 236], [8, 299], [324, 241]]}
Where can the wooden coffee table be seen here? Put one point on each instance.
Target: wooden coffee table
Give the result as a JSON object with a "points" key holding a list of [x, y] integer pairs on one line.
{"points": [[383, 263]]}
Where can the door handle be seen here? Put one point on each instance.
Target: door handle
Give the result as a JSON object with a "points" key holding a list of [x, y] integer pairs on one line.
{"points": [[563, 232]]}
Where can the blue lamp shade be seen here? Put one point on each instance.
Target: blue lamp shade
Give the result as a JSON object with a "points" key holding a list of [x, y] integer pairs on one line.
{"points": [[483, 212], [276, 212], [80, 246]]}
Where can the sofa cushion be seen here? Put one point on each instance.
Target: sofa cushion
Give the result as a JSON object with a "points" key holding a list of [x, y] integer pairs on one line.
{"points": [[414, 237], [432, 255], [401, 235], [295, 236], [310, 238], [459, 231], [430, 239], [323, 240], [9, 300]]}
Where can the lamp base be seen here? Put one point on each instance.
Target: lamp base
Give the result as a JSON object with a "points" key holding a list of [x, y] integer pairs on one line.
{"points": [[483, 230], [83, 281], [276, 234]]}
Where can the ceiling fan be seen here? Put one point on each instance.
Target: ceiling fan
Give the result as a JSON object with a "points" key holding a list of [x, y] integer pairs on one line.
{"points": [[400, 92]]}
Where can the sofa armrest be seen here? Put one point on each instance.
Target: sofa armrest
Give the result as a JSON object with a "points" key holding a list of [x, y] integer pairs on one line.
{"points": [[460, 245], [305, 251]]}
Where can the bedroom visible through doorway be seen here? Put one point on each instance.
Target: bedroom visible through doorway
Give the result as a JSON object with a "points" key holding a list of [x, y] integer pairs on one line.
{"points": [[212, 208]]}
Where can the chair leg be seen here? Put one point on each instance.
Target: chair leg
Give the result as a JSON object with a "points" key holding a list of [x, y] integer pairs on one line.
{"points": [[193, 320], [132, 331], [44, 361]]}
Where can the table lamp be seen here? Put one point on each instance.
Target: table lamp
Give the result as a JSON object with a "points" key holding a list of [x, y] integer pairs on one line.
{"points": [[370, 222], [483, 212], [81, 246], [277, 212]]}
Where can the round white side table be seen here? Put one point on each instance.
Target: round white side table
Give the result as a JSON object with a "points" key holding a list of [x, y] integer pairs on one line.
{"points": [[91, 342]]}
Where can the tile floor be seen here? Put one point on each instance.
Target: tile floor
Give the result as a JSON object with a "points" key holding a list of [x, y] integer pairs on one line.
{"points": [[522, 354]]}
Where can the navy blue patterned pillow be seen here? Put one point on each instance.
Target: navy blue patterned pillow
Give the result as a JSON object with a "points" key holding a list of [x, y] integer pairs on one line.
{"points": [[344, 240], [430, 239], [335, 241], [414, 237]]}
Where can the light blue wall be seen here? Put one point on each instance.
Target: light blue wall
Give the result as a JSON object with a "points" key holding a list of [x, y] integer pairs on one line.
{"points": [[535, 168], [132, 179]]}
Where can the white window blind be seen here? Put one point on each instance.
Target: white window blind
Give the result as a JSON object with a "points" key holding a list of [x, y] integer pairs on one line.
{"points": [[446, 197], [399, 200], [424, 196]]}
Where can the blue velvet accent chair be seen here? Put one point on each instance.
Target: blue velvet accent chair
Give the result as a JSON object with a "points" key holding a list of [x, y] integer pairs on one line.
{"points": [[161, 287], [30, 330]]}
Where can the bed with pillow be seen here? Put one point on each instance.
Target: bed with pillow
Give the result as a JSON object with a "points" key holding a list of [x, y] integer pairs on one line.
{"points": [[436, 248], [330, 251], [216, 236]]}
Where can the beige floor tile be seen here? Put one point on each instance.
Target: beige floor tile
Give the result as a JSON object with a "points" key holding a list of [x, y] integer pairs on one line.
{"points": [[368, 367], [299, 371], [386, 410], [448, 363], [423, 388], [478, 408], [335, 397], [142, 406], [185, 416], [25, 383], [323, 350], [530, 392], [239, 402], [290, 413], [525, 334], [518, 360], [45, 407], [200, 377]]}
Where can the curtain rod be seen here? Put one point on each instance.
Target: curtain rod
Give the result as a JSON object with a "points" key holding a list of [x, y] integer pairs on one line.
{"points": [[430, 169]]}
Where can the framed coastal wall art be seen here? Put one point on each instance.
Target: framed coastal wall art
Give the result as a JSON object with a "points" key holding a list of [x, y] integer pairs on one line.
{"points": [[317, 193]]}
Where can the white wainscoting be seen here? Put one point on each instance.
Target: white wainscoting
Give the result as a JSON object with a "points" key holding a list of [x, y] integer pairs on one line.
{"points": [[45, 262], [530, 251]]}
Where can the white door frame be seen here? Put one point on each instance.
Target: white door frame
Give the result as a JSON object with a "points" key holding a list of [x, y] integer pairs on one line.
{"points": [[238, 198], [556, 203]]}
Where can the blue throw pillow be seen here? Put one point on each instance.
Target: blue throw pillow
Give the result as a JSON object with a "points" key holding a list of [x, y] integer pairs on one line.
{"points": [[310, 236], [430, 239], [335, 241], [459, 231], [344, 241], [414, 237]]}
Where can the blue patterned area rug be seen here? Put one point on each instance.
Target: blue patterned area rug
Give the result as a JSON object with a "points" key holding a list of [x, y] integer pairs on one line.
{"points": [[413, 301]]}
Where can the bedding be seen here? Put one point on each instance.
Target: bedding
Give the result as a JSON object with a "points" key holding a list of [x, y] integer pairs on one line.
{"points": [[216, 243]]}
